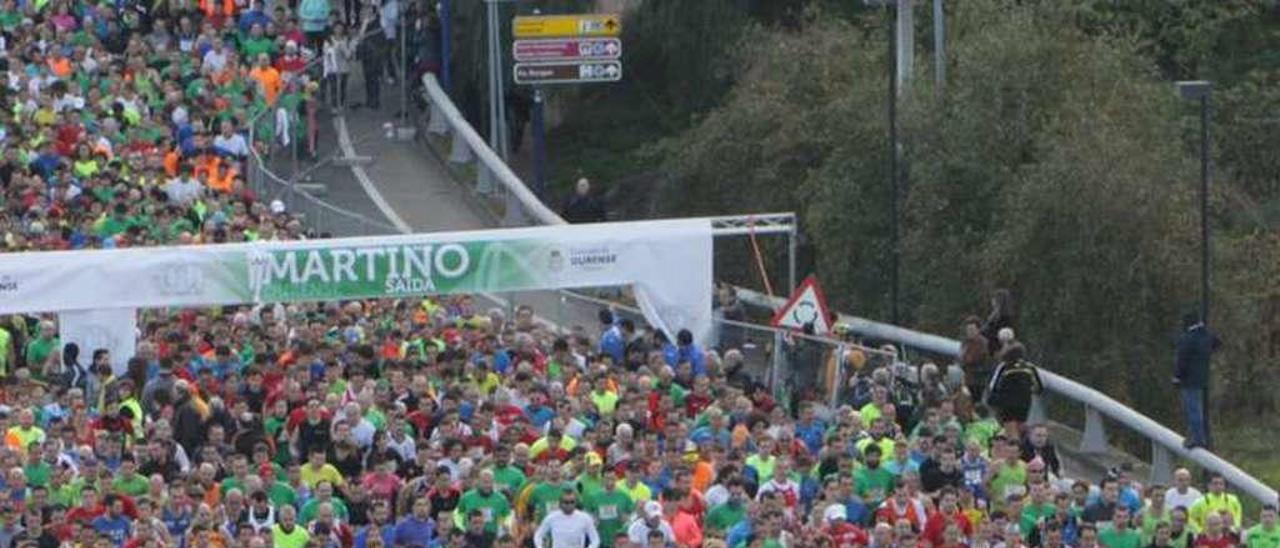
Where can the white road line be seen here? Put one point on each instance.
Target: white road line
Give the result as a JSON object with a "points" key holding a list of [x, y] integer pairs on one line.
{"points": [[349, 150], [371, 190]]}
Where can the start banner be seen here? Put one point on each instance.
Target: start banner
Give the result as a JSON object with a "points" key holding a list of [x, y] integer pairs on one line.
{"points": [[668, 262]]}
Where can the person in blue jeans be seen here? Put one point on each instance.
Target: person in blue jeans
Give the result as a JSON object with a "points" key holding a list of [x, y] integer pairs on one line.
{"points": [[1191, 376]]}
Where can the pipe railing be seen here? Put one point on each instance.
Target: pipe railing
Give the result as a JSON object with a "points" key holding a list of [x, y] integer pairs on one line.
{"points": [[1165, 443]]}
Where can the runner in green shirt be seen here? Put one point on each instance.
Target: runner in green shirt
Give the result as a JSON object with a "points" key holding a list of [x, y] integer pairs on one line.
{"points": [[873, 482], [509, 478], [724, 516], [128, 481], [610, 507], [1265, 534], [39, 349], [491, 503], [1120, 535]]}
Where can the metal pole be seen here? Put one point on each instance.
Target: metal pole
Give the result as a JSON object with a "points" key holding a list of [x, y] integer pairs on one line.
{"points": [[492, 16], [404, 61], [893, 166], [1204, 208], [539, 146], [500, 75], [791, 259], [939, 45], [1204, 248], [446, 45]]}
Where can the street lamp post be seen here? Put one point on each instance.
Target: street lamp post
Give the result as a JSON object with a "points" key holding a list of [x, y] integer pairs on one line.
{"points": [[1202, 91], [894, 244]]}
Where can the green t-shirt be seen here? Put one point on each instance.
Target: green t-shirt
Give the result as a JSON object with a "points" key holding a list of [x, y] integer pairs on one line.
{"points": [[134, 485], [1150, 522], [67, 494], [589, 485], [1008, 479], [763, 466], [611, 509], [312, 506], [38, 350], [494, 506], [280, 494], [606, 402], [724, 516], [298, 538], [38, 474], [509, 478], [1031, 514], [252, 47], [544, 498], [873, 484], [1115, 538], [982, 431], [1258, 537]]}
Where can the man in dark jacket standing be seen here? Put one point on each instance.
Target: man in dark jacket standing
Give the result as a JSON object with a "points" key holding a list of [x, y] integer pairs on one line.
{"points": [[584, 207], [1191, 376]]}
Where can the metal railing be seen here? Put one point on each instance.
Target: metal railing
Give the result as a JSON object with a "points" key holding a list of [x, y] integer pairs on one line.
{"points": [[445, 122], [314, 212], [1165, 443]]}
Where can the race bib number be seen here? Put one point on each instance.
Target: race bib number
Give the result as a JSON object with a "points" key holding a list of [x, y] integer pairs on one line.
{"points": [[609, 512], [973, 477]]}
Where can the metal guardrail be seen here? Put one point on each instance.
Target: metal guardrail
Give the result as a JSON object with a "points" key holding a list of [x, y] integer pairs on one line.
{"points": [[1165, 443], [315, 213]]}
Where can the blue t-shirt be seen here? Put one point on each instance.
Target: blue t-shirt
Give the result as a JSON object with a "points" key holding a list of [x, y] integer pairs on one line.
{"points": [[117, 529]]}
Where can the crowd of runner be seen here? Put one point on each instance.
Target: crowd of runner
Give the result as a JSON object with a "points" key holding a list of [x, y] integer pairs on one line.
{"points": [[437, 422]]}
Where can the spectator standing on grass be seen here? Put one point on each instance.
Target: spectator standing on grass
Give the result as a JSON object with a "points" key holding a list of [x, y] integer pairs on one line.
{"points": [[1191, 376], [584, 206]]}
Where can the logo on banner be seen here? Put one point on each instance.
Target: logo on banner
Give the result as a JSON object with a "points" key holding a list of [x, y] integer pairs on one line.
{"points": [[178, 279], [555, 261], [592, 258], [806, 306], [8, 284]]}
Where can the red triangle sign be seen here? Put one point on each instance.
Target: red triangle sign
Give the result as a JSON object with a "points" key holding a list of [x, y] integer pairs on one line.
{"points": [[806, 305]]}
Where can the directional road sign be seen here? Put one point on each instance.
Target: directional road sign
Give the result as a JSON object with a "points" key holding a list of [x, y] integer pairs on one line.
{"points": [[567, 49], [554, 26], [568, 72]]}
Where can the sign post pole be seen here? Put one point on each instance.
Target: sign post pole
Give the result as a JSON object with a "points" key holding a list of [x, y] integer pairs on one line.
{"points": [[539, 145]]}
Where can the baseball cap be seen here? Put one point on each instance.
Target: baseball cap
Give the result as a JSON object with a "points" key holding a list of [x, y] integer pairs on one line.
{"points": [[652, 509], [834, 512]]}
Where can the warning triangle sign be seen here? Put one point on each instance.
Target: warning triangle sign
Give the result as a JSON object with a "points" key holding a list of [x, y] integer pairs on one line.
{"points": [[806, 305]]}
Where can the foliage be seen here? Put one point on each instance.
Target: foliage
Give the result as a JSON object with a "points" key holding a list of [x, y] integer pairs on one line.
{"points": [[1055, 163]]}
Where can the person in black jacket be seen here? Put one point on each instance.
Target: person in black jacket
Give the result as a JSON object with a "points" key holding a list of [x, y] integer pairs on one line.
{"points": [[1013, 384], [1191, 376], [583, 206]]}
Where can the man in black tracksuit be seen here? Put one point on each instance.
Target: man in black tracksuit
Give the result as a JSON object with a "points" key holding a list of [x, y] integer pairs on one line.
{"points": [[1013, 384]]}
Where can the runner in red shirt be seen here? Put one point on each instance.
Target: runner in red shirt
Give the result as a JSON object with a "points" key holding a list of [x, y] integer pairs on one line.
{"points": [[843, 534]]}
